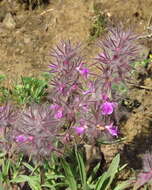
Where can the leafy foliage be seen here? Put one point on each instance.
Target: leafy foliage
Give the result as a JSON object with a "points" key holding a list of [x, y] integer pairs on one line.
{"points": [[99, 21], [30, 90], [103, 182], [4, 92]]}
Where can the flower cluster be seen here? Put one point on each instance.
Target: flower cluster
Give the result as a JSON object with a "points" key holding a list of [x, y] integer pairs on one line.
{"points": [[36, 130], [66, 87], [96, 121], [119, 51], [89, 110]]}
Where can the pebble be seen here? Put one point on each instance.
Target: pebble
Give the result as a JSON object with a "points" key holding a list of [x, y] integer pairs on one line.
{"points": [[9, 21], [27, 39]]}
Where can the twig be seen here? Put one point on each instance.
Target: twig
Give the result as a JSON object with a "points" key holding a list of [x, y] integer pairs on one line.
{"points": [[140, 86], [149, 22], [44, 12], [145, 36]]}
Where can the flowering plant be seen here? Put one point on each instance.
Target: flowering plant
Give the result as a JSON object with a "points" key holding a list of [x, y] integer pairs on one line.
{"points": [[80, 107], [89, 106]]}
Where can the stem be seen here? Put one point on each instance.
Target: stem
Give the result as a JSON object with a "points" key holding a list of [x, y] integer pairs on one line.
{"points": [[42, 175]]}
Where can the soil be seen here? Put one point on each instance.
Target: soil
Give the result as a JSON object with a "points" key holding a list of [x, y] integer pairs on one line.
{"points": [[25, 44]]}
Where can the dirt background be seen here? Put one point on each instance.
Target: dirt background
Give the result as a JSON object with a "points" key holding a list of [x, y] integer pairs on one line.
{"points": [[26, 37]]}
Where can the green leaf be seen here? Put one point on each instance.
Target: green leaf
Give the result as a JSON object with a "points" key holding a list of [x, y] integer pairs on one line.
{"points": [[28, 166], [20, 179], [101, 181], [106, 179], [100, 141], [113, 169], [53, 186], [82, 171], [54, 176], [1, 181], [34, 183], [2, 77], [5, 168], [95, 169], [69, 175], [123, 185], [2, 154]]}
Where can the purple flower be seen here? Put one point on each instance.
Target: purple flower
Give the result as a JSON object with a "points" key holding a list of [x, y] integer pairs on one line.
{"points": [[74, 87], [20, 139], [104, 97], [54, 107], [65, 58], [113, 130], [58, 111], [119, 50], [58, 114], [30, 138], [83, 71], [107, 108], [60, 87], [36, 129], [79, 130]]}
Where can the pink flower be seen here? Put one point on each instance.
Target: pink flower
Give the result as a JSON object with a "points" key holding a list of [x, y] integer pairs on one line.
{"points": [[66, 62], [54, 106], [30, 138], [104, 97], [113, 130], [52, 66], [58, 111], [102, 55], [74, 87], [20, 138], [61, 87], [80, 129], [58, 114], [107, 108], [82, 70]]}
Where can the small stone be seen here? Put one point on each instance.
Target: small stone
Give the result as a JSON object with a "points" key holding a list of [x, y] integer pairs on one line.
{"points": [[9, 21], [27, 39]]}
